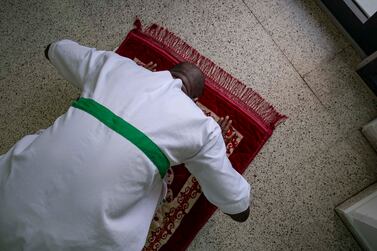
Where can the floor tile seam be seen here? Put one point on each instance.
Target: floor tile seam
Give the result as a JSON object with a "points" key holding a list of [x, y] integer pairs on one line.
{"points": [[286, 57], [328, 59], [263, 22], [354, 148], [213, 13]]}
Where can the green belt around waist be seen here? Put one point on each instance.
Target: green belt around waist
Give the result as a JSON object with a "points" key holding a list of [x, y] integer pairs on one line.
{"points": [[116, 123]]}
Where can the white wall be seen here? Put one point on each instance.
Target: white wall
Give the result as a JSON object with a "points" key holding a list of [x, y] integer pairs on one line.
{"points": [[360, 215]]}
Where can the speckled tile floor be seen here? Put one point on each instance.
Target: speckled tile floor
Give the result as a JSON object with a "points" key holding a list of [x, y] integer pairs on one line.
{"points": [[289, 51]]}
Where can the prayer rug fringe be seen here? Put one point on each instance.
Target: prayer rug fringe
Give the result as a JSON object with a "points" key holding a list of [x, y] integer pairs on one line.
{"points": [[245, 98]]}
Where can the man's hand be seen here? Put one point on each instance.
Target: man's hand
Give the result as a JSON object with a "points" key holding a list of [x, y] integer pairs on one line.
{"points": [[46, 51], [241, 217], [225, 124], [150, 66]]}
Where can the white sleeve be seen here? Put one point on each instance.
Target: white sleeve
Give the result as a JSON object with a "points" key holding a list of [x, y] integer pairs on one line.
{"points": [[222, 185], [75, 62]]}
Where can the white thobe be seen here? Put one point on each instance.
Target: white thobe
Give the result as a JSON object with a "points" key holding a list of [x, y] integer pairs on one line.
{"points": [[78, 185]]}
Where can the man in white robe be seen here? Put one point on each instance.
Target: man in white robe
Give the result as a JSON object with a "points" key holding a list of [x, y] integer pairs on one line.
{"points": [[93, 180]]}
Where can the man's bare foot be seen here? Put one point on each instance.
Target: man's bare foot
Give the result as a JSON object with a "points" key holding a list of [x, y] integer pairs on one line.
{"points": [[225, 124], [150, 66]]}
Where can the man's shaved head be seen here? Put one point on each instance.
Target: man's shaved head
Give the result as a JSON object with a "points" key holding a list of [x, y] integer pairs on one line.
{"points": [[192, 78]]}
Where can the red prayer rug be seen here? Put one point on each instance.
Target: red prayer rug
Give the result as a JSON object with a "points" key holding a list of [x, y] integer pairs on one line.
{"points": [[185, 209]]}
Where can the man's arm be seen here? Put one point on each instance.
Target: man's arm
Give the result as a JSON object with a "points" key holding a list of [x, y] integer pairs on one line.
{"points": [[225, 123], [222, 185], [78, 64]]}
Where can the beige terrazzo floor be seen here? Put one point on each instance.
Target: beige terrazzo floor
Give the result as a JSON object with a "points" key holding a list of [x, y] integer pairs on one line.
{"points": [[287, 50]]}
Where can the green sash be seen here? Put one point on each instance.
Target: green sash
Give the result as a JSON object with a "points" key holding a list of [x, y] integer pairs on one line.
{"points": [[116, 123]]}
